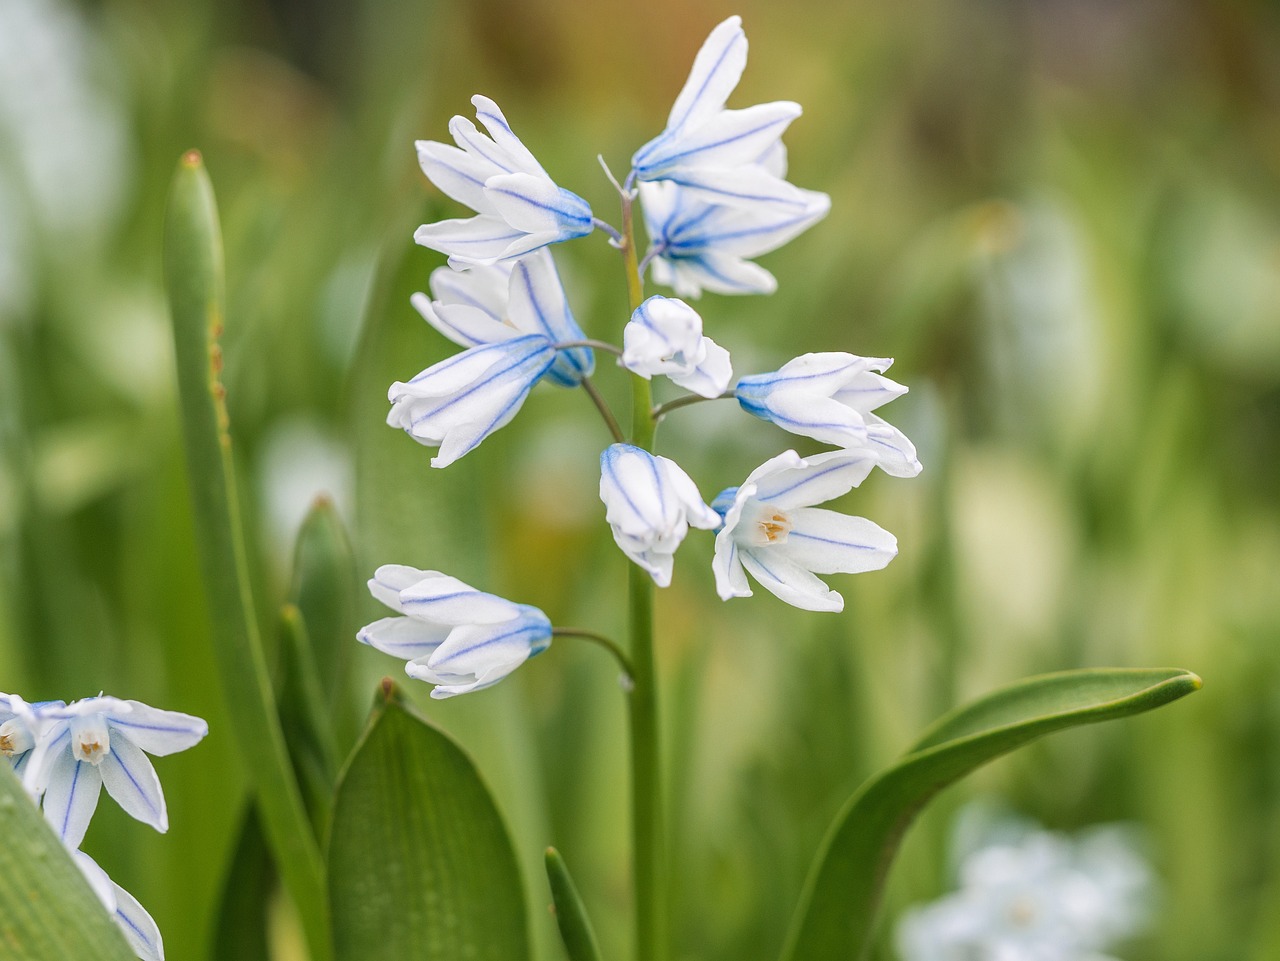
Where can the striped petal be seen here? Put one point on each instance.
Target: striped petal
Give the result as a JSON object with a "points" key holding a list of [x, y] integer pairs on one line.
{"points": [[155, 731], [405, 638], [827, 542], [132, 781], [789, 581], [71, 797]]}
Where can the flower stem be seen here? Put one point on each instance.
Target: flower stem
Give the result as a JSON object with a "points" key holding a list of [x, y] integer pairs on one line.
{"points": [[605, 411], [685, 401], [649, 853], [618, 653]]}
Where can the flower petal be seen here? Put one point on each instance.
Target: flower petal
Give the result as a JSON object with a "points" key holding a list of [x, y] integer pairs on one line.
{"points": [[814, 480], [711, 377], [390, 579], [71, 796], [538, 306], [482, 239], [132, 781], [744, 185], [731, 578], [487, 113], [155, 731], [140, 930], [479, 648], [895, 454], [716, 71], [459, 175], [536, 205], [827, 542], [809, 415], [447, 600], [728, 139], [789, 581], [403, 637]]}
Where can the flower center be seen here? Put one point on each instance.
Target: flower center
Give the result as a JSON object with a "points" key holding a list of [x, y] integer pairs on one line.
{"points": [[89, 739], [1022, 913], [764, 524], [15, 739]]}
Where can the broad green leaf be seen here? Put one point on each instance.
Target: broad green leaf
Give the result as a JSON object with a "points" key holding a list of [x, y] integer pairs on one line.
{"points": [[50, 912], [571, 914], [420, 862], [837, 913], [243, 909], [194, 279]]}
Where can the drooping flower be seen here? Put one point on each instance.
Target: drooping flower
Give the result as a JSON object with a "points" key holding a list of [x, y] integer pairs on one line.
{"points": [[139, 928], [650, 504], [772, 530], [104, 740], [519, 208], [664, 336], [1035, 895], [457, 403], [697, 245], [830, 397], [450, 634], [710, 149], [488, 305], [20, 729]]}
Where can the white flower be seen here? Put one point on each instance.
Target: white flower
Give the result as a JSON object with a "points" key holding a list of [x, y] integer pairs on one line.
{"points": [[104, 740], [1035, 897], [487, 305], [518, 206], [650, 504], [457, 403], [830, 397], [772, 530], [697, 245], [713, 150], [139, 928], [452, 635], [20, 725], [664, 336]]}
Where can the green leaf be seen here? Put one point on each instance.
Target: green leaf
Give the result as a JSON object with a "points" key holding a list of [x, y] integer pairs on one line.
{"points": [[244, 906], [837, 913], [50, 912], [194, 279], [420, 863], [571, 914]]}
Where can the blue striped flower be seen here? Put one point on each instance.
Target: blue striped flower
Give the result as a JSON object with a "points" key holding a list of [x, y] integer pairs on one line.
{"points": [[105, 741], [696, 245], [830, 397], [452, 635], [664, 336], [518, 206], [503, 301], [772, 530], [457, 403], [650, 503], [710, 149], [20, 729]]}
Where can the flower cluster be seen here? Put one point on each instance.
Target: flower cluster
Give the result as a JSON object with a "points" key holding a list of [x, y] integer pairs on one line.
{"points": [[714, 194], [1034, 895], [66, 753]]}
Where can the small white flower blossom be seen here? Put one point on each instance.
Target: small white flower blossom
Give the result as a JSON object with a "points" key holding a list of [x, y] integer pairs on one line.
{"points": [[450, 634], [518, 206], [664, 336], [104, 740], [710, 149], [830, 397], [488, 305], [457, 403], [139, 928], [697, 245], [1038, 897], [20, 729], [772, 530], [650, 504]]}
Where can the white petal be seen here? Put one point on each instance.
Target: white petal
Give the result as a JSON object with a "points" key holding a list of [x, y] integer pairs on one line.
{"points": [[464, 324], [403, 637], [132, 781], [827, 542], [730, 138], [716, 271], [482, 239], [458, 174], [895, 454], [686, 492], [868, 390], [731, 579], [711, 377], [741, 186], [447, 600], [158, 732], [139, 928], [746, 231], [102, 886], [536, 205], [716, 71], [490, 157], [789, 581], [487, 113], [814, 480], [810, 415], [390, 579], [71, 797], [481, 648], [538, 305]]}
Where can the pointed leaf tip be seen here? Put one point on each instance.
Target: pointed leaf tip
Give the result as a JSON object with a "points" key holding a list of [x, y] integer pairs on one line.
{"points": [[192, 158]]}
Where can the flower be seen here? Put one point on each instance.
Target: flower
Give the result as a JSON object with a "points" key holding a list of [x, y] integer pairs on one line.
{"points": [[518, 207], [830, 397], [698, 245], [772, 530], [104, 740], [452, 635], [713, 150], [457, 403], [19, 730], [1037, 896], [664, 336], [650, 503], [139, 928], [487, 305]]}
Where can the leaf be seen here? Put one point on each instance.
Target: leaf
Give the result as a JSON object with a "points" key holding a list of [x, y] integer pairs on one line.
{"points": [[50, 912], [420, 862], [571, 914], [838, 908], [244, 906], [194, 279]]}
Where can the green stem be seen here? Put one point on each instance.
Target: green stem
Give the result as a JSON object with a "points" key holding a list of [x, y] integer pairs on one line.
{"points": [[648, 855]]}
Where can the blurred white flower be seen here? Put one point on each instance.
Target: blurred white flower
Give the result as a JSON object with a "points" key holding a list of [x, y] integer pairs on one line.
{"points": [[1035, 896], [300, 462]]}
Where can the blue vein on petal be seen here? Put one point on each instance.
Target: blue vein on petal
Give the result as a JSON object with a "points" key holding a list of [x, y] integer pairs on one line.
{"points": [[137, 787]]}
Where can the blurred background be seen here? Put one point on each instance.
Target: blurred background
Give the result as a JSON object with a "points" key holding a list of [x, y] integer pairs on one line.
{"points": [[1061, 217]]}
